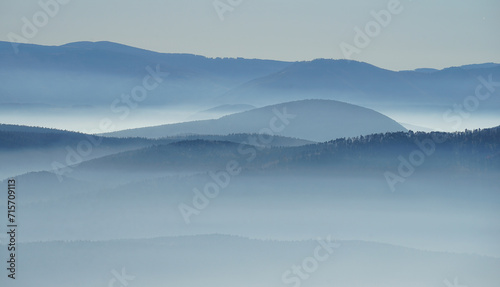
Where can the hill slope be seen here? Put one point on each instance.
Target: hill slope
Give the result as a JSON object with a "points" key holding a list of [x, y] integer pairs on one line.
{"points": [[29, 149], [316, 120], [94, 74], [472, 150], [223, 260]]}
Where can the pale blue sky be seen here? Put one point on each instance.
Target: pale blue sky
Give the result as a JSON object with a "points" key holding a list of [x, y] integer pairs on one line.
{"points": [[427, 33]]}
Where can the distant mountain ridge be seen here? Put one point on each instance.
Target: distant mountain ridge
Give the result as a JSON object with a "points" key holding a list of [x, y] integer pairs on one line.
{"points": [[96, 73], [244, 257], [364, 84]]}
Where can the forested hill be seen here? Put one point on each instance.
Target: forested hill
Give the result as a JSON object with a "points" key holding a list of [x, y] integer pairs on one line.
{"points": [[479, 149], [22, 137], [38, 138]]}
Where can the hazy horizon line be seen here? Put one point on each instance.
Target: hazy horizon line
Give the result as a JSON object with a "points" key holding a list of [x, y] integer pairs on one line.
{"points": [[244, 58]]}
